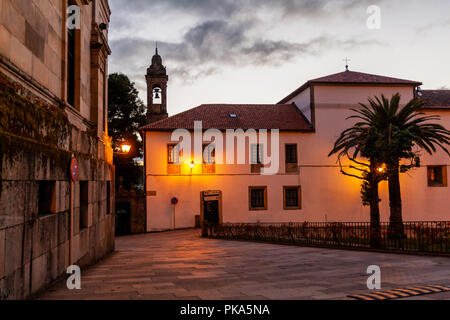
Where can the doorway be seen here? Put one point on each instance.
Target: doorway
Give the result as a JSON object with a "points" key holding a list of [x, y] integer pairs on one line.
{"points": [[212, 211], [123, 218], [211, 207]]}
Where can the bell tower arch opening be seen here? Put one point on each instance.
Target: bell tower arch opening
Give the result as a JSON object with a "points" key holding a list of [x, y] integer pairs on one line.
{"points": [[156, 95], [157, 79]]}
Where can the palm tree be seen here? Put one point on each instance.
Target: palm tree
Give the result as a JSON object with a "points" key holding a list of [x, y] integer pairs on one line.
{"points": [[360, 140], [399, 130]]}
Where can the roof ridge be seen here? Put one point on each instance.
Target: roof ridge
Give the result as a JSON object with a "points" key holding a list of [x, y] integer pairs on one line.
{"points": [[345, 78], [242, 104], [165, 119], [256, 116], [435, 99], [362, 73]]}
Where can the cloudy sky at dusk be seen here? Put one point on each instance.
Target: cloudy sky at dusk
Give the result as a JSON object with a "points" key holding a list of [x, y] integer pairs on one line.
{"points": [[258, 51]]}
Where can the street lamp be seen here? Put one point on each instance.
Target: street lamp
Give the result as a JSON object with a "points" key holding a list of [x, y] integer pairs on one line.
{"points": [[382, 169], [125, 148]]}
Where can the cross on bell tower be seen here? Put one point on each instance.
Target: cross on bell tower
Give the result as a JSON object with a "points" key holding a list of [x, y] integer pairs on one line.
{"points": [[157, 79]]}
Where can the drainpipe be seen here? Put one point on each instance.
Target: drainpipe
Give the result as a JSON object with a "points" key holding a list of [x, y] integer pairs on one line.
{"points": [[73, 177], [71, 222], [144, 139]]}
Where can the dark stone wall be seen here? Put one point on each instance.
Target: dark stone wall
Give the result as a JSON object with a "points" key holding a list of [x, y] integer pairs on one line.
{"points": [[34, 248]]}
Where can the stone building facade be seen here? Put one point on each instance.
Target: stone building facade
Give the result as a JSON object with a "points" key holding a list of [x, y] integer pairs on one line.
{"points": [[53, 108]]}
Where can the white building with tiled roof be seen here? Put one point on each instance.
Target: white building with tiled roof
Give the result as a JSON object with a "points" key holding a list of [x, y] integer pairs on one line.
{"points": [[197, 183]]}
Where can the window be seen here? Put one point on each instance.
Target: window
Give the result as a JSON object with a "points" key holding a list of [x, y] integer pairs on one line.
{"points": [[173, 152], [209, 154], [71, 41], [84, 204], [47, 197], [71, 61], [256, 158], [257, 154], [291, 158], [209, 159], [291, 153], [292, 198], [257, 198], [173, 159], [437, 176]]}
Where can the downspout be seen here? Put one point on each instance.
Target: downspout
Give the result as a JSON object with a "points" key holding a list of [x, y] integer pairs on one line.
{"points": [[144, 135], [71, 222]]}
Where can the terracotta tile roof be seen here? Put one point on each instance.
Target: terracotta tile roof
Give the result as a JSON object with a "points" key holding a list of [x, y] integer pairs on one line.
{"points": [[359, 77], [220, 116], [436, 99], [352, 77]]}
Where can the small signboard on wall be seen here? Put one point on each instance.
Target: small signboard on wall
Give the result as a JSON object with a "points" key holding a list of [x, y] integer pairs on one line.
{"points": [[211, 198], [211, 193]]}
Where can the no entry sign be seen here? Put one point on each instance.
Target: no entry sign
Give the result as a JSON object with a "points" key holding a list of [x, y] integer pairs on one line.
{"points": [[74, 169]]}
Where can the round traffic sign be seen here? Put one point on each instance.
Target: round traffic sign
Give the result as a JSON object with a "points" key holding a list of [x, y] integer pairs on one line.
{"points": [[74, 169]]}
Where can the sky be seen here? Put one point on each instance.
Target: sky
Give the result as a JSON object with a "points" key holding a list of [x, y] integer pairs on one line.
{"points": [[259, 51]]}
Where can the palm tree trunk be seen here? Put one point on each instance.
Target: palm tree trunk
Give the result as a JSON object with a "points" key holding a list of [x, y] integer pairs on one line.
{"points": [[396, 230], [375, 228]]}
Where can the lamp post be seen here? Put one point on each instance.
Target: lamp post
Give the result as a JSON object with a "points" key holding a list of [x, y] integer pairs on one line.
{"points": [[121, 153]]}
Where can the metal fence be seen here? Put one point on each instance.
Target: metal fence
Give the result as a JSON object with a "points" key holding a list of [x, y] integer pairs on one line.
{"points": [[419, 237]]}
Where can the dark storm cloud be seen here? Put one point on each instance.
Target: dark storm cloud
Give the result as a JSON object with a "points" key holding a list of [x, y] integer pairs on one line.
{"points": [[228, 8], [219, 41], [432, 26], [224, 7], [208, 47]]}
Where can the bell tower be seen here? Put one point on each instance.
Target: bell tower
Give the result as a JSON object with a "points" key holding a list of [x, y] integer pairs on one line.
{"points": [[156, 78]]}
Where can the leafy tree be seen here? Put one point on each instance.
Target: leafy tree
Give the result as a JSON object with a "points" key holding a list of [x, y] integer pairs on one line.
{"points": [[126, 114]]}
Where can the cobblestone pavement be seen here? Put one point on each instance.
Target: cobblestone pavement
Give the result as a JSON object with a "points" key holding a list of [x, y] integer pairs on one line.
{"points": [[181, 265]]}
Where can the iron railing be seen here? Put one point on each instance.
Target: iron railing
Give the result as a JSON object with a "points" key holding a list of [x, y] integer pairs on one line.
{"points": [[419, 237]]}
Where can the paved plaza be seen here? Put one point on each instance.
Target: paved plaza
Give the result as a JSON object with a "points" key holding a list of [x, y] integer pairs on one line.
{"points": [[181, 265]]}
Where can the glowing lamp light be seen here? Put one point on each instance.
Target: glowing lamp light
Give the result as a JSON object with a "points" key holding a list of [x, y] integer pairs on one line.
{"points": [[192, 165], [125, 148], [381, 169]]}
